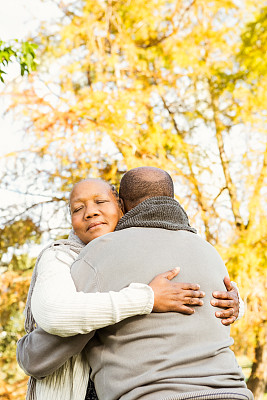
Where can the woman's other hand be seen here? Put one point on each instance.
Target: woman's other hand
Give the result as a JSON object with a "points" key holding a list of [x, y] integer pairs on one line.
{"points": [[228, 301]]}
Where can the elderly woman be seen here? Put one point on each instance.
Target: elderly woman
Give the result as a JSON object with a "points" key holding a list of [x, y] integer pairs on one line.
{"points": [[55, 305]]}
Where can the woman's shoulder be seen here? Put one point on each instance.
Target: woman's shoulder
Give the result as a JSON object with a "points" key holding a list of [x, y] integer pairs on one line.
{"points": [[58, 251]]}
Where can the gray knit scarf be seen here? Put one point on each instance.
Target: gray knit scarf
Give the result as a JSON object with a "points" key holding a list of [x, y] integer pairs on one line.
{"points": [[157, 212], [72, 243]]}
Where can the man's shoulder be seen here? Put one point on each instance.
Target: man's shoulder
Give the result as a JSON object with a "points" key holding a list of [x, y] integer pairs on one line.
{"points": [[137, 236]]}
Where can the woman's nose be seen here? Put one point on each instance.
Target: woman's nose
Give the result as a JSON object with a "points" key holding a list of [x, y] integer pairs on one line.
{"points": [[91, 211]]}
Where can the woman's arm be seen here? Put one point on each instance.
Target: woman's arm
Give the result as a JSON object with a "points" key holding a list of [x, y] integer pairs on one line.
{"points": [[59, 309], [39, 354]]}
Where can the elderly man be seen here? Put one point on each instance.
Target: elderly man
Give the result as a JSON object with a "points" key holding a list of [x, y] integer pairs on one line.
{"points": [[156, 356]]}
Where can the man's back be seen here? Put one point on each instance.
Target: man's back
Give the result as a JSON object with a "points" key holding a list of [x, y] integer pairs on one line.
{"points": [[158, 353]]}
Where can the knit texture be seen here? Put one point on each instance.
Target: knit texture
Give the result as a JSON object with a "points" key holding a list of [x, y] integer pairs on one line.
{"points": [[157, 212], [72, 243]]}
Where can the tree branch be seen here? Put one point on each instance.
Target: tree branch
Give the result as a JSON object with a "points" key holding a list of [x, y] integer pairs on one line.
{"points": [[158, 40], [200, 199], [219, 127]]}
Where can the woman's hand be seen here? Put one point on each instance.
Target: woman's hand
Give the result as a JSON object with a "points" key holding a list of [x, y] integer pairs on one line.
{"points": [[229, 301], [175, 296]]}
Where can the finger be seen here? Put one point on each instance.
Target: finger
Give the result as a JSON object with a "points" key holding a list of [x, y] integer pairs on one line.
{"points": [[223, 295], [227, 283], [194, 302], [185, 310], [222, 303], [171, 274], [192, 293], [228, 321], [225, 313], [190, 286]]}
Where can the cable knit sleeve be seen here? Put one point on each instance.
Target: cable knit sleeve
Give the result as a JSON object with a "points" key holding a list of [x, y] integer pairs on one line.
{"points": [[60, 310]]}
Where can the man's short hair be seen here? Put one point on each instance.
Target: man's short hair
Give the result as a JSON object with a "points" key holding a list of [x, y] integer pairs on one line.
{"points": [[141, 183]]}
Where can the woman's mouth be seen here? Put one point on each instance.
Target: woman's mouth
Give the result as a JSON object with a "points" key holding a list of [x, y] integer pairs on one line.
{"points": [[94, 225]]}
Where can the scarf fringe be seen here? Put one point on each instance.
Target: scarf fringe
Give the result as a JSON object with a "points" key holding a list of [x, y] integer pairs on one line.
{"points": [[72, 243], [31, 390]]}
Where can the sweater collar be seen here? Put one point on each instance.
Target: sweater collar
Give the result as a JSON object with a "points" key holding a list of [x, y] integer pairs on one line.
{"points": [[157, 212]]}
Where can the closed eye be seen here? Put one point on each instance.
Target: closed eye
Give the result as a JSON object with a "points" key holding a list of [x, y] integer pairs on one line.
{"points": [[76, 209], [101, 201]]}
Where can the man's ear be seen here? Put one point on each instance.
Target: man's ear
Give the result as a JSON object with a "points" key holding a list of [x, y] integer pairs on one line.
{"points": [[122, 205]]}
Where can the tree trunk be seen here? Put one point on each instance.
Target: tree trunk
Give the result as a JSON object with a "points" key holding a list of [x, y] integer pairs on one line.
{"points": [[258, 378]]}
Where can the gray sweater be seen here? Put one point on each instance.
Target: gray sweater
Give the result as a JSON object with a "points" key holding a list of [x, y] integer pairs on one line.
{"points": [[158, 353]]}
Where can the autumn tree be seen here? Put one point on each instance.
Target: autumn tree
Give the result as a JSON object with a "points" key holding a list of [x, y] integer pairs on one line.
{"points": [[171, 84]]}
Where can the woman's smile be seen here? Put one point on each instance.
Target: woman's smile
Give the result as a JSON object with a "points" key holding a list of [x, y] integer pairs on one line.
{"points": [[94, 225]]}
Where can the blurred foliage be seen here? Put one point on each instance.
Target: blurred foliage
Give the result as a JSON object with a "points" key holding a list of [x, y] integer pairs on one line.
{"points": [[18, 233], [16, 271], [254, 46], [23, 53], [14, 288], [174, 84]]}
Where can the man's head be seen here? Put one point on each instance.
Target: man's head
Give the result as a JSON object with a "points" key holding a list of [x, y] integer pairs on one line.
{"points": [[141, 183]]}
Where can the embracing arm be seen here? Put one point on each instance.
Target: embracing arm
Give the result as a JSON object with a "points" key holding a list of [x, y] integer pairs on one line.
{"points": [[60, 310], [34, 350], [39, 353]]}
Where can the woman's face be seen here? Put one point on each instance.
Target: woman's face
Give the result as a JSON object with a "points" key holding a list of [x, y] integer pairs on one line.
{"points": [[94, 210]]}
